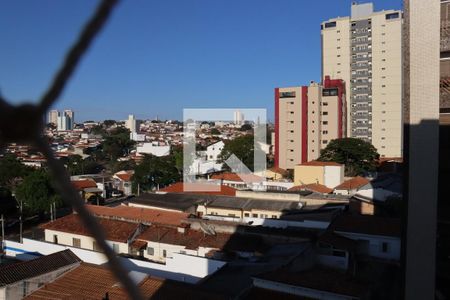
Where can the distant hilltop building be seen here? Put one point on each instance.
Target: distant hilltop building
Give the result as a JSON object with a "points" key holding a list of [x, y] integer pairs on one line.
{"points": [[238, 118], [131, 123], [365, 51], [62, 120]]}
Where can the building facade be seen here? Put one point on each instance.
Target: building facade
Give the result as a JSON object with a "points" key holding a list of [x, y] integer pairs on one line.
{"points": [[445, 63], [307, 118], [65, 120], [365, 51], [53, 117]]}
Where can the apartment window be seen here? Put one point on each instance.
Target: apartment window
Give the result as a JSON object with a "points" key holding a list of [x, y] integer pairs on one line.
{"points": [[325, 103], [325, 122], [254, 215], [274, 217], [383, 85], [383, 59], [383, 33], [150, 251], [338, 47], [76, 242], [246, 215], [383, 69], [325, 132], [287, 95], [383, 138], [164, 253], [338, 31], [392, 16], [330, 25], [338, 55], [291, 112], [325, 113], [384, 247], [115, 248], [324, 141], [96, 247], [55, 239]]}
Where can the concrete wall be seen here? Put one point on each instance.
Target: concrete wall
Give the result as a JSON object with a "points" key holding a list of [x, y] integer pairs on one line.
{"points": [[298, 290], [308, 174], [268, 196], [333, 176], [86, 242], [179, 267], [373, 245], [25, 287]]}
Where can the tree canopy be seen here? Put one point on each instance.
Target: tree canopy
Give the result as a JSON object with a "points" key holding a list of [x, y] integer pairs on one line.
{"points": [[358, 156], [155, 171], [12, 171], [242, 147], [117, 143], [37, 193], [76, 165]]}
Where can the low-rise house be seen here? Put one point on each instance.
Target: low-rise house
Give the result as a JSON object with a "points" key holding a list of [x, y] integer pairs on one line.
{"points": [[153, 149], [312, 187], [213, 151], [71, 231], [98, 282], [138, 215], [122, 182], [87, 188], [246, 208], [17, 280], [316, 283], [329, 174], [163, 242], [199, 188], [177, 202], [351, 186], [376, 237], [239, 181], [335, 251]]}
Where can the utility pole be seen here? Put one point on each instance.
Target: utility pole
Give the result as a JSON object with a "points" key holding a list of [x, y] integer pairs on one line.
{"points": [[51, 212], [21, 222], [3, 233]]}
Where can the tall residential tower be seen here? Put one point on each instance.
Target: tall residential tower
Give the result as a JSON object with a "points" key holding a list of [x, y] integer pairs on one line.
{"points": [[307, 118], [365, 50]]}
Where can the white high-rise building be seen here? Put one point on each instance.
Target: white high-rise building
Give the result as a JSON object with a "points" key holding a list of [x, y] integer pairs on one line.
{"points": [[65, 120], [238, 117], [53, 117], [131, 123], [365, 50]]}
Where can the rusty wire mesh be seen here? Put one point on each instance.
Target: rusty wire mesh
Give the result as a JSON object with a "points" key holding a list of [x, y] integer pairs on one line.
{"points": [[24, 124]]}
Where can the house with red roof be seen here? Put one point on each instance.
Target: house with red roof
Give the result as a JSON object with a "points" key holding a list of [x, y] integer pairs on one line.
{"points": [[200, 188], [329, 174], [122, 181], [351, 186]]}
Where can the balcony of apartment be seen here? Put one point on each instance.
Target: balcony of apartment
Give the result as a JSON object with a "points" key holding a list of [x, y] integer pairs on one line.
{"points": [[445, 35]]}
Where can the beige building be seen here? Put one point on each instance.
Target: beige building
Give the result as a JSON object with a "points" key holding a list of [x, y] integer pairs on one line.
{"points": [[307, 118], [53, 117], [329, 174], [365, 51]]}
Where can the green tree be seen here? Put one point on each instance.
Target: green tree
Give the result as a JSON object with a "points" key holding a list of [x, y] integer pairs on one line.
{"points": [[37, 193], [215, 131], [76, 165], [243, 148], [117, 143], [155, 171], [358, 156], [12, 171], [109, 123], [246, 127]]}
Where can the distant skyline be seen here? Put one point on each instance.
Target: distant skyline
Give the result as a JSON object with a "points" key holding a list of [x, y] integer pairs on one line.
{"points": [[155, 58]]}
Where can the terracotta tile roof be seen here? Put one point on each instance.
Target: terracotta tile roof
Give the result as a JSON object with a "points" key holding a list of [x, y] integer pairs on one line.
{"points": [[118, 231], [15, 272], [314, 187], [93, 282], [199, 188], [320, 163], [235, 177], [83, 184], [354, 183], [278, 170], [124, 175], [372, 225], [137, 214], [193, 239], [319, 279]]}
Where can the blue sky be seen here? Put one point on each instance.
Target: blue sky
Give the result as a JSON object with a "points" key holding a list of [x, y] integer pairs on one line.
{"points": [[158, 57]]}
